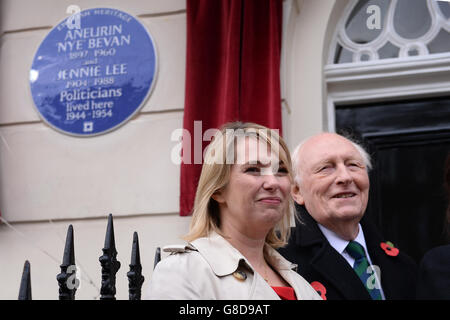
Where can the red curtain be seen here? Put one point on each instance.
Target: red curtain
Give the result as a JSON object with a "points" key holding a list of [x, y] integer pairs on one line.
{"points": [[232, 72]]}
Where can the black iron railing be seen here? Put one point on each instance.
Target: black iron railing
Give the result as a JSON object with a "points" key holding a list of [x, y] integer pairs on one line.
{"points": [[68, 282]]}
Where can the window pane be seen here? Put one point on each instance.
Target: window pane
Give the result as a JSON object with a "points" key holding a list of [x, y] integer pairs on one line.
{"points": [[359, 21], [411, 18], [441, 43], [445, 8], [413, 52], [343, 55], [388, 51], [411, 21]]}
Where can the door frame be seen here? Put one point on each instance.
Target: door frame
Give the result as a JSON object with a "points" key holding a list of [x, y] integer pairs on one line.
{"points": [[383, 80]]}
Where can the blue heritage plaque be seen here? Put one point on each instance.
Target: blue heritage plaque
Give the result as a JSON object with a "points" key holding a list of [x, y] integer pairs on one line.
{"points": [[93, 72]]}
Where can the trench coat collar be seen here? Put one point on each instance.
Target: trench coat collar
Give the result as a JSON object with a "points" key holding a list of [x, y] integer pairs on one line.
{"points": [[224, 259]]}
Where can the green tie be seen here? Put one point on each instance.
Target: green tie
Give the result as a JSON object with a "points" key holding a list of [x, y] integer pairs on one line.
{"points": [[356, 251]]}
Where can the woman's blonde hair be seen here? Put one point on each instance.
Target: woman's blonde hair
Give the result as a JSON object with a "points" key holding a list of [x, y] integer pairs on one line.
{"points": [[215, 175]]}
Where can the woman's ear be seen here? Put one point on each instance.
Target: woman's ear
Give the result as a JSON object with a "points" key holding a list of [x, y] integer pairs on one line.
{"points": [[297, 195], [218, 197]]}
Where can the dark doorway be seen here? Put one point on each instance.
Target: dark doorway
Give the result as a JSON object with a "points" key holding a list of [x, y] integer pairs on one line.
{"points": [[409, 142]]}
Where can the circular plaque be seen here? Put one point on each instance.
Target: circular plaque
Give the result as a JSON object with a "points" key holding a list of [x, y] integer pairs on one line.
{"points": [[93, 72]]}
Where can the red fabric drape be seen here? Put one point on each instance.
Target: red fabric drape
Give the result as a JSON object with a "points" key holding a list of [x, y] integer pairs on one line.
{"points": [[232, 72]]}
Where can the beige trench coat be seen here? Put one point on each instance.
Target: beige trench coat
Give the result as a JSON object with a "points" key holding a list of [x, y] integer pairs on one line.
{"points": [[204, 270]]}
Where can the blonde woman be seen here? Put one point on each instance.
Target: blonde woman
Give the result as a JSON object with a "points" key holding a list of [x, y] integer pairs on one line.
{"points": [[242, 212]]}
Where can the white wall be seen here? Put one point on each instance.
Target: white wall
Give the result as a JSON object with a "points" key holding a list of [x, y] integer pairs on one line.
{"points": [[309, 30], [49, 180], [48, 175]]}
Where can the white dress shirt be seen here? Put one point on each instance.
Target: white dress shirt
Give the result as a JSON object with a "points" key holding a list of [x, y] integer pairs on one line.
{"points": [[340, 244]]}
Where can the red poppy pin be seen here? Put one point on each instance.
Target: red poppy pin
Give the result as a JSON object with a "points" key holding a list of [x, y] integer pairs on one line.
{"points": [[389, 248], [320, 288]]}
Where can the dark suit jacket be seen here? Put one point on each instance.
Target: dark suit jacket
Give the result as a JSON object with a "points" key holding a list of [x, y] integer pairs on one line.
{"points": [[318, 261], [434, 274]]}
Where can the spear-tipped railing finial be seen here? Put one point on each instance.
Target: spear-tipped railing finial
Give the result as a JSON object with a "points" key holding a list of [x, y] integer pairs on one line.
{"points": [[135, 278], [67, 281], [25, 283], [157, 256], [109, 263]]}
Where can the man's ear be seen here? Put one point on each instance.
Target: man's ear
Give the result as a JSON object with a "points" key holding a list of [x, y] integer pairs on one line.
{"points": [[296, 194]]}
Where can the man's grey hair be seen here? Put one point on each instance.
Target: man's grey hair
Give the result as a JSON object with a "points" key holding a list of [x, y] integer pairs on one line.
{"points": [[295, 160]]}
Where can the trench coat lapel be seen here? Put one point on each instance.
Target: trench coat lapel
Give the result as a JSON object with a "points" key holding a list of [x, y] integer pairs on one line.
{"points": [[283, 267]]}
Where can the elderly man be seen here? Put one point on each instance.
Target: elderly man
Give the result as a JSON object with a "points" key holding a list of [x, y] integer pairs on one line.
{"points": [[337, 251]]}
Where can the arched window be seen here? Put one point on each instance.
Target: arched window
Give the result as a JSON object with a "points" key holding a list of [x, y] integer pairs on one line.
{"points": [[372, 30], [386, 50]]}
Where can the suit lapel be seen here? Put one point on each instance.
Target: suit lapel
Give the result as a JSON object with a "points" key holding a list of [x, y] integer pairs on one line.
{"points": [[333, 267], [327, 261], [388, 272]]}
